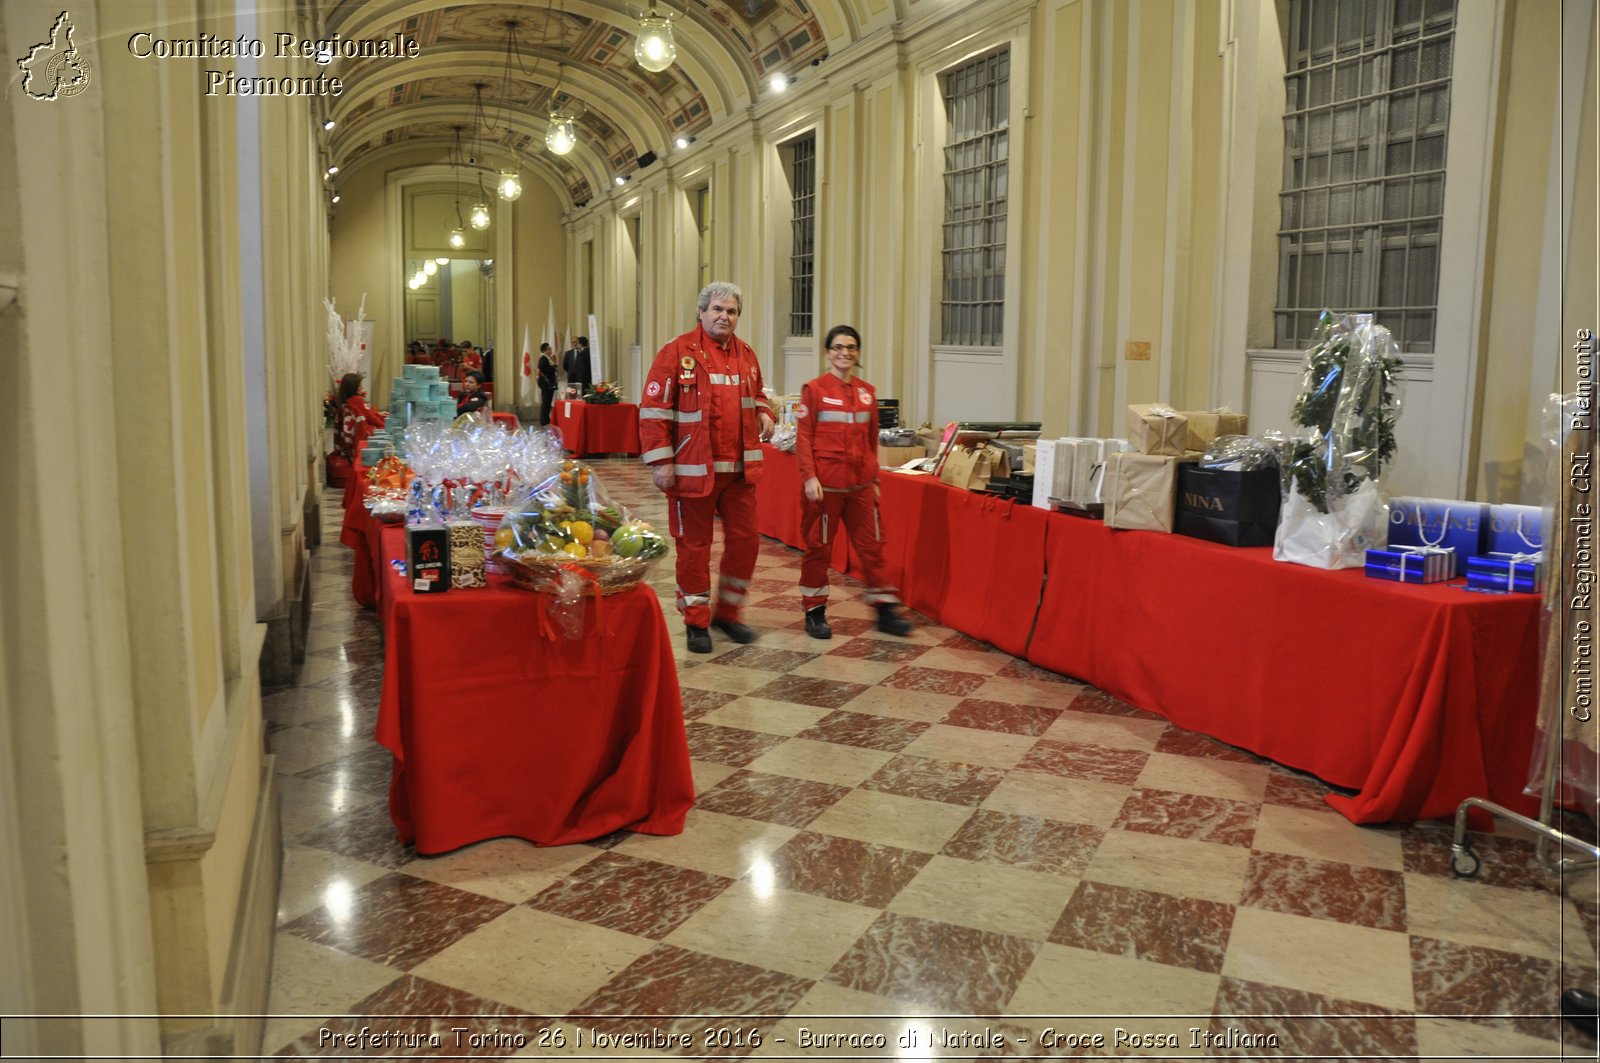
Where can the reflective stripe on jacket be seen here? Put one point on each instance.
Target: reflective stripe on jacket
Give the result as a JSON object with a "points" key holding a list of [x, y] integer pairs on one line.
{"points": [[676, 408], [836, 436]]}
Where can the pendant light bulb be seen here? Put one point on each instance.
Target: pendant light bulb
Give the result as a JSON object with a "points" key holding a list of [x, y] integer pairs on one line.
{"points": [[458, 239], [510, 185], [479, 216], [653, 47], [561, 137], [430, 267]]}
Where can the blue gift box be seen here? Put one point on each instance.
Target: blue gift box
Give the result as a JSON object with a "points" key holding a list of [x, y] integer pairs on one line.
{"points": [[1451, 523], [1425, 564], [1514, 530], [1502, 573]]}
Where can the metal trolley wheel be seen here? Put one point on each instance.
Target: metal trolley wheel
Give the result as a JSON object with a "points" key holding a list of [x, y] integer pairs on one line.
{"points": [[1464, 863]]}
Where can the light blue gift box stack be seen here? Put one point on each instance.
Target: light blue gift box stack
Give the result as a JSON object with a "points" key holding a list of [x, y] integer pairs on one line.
{"points": [[418, 395]]}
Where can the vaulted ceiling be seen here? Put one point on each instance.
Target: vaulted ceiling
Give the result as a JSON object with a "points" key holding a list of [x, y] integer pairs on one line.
{"points": [[571, 55]]}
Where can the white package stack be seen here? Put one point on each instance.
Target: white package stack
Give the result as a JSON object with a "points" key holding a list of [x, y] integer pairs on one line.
{"points": [[1044, 471]]}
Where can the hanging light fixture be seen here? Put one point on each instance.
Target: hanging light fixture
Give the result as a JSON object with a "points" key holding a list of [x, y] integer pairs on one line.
{"points": [[458, 238], [479, 214], [653, 47], [561, 136], [429, 266], [508, 183]]}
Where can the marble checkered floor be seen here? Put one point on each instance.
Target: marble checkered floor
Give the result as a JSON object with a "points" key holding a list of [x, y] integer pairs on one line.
{"points": [[892, 835]]}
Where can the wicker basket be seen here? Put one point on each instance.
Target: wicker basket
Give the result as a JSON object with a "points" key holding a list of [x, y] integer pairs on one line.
{"points": [[541, 573]]}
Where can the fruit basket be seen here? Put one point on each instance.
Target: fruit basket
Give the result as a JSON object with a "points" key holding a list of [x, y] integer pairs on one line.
{"points": [[567, 525]]}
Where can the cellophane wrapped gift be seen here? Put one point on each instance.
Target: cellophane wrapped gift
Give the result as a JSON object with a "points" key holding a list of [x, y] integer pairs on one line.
{"points": [[569, 524], [1334, 509], [1156, 428]]}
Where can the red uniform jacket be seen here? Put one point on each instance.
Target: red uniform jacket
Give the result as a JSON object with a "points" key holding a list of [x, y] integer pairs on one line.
{"points": [[836, 433], [680, 400]]}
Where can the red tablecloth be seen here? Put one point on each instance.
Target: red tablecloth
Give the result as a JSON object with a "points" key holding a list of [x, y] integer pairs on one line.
{"points": [[588, 428], [499, 728], [1415, 696]]}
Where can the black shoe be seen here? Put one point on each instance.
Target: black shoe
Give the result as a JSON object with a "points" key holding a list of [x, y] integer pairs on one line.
{"points": [[891, 622], [1580, 1007], [740, 633], [699, 640], [817, 623]]}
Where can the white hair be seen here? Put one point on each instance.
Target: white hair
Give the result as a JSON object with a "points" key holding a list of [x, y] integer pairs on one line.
{"points": [[722, 291]]}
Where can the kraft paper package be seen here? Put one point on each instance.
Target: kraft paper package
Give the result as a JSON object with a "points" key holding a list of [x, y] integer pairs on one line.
{"points": [[971, 468], [1156, 428], [1206, 425], [1141, 490]]}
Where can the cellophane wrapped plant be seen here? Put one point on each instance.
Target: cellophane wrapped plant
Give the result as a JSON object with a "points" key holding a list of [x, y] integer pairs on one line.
{"points": [[1349, 400]]}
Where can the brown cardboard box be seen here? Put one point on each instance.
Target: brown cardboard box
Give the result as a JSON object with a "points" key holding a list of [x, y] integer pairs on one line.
{"points": [[894, 457]]}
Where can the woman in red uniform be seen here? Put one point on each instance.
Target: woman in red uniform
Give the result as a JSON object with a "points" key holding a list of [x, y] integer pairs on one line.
{"points": [[837, 444]]}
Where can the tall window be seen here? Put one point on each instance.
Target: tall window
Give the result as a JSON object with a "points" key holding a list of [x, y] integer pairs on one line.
{"points": [[802, 262], [702, 222], [977, 114], [1363, 172]]}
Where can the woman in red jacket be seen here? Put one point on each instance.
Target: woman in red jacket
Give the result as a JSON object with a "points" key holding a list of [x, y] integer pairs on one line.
{"points": [[837, 444]]}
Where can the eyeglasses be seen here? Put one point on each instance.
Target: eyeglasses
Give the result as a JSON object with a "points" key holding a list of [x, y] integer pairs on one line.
{"points": [[848, 347]]}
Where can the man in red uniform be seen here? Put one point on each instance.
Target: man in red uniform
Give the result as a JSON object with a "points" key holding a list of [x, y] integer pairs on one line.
{"points": [[836, 440], [701, 422]]}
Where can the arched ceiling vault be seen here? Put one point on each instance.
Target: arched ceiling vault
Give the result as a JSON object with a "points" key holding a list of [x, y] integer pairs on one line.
{"points": [[726, 50]]}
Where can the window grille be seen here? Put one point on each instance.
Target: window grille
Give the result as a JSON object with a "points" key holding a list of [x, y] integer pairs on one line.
{"points": [[977, 113], [1364, 155], [802, 264]]}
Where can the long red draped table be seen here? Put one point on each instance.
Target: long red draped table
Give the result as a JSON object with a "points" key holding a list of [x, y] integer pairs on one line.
{"points": [[1415, 697], [502, 726], [597, 428]]}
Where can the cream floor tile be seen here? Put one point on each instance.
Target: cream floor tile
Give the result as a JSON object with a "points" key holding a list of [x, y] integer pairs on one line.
{"points": [[904, 704], [1198, 775], [932, 635], [827, 999], [848, 670], [1456, 1038], [1032, 793], [1028, 692], [983, 662], [796, 933], [1116, 732], [769, 717], [969, 746], [719, 844], [1005, 900], [304, 804], [1321, 956], [1071, 981], [1326, 836], [769, 622], [1177, 866], [846, 601], [708, 774], [325, 640], [889, 819], [1471, 913], [298, 749], [313, 982], [534, 960], [507, 869], [776, 638], [309, 874], [726, 678], [829, 762]]}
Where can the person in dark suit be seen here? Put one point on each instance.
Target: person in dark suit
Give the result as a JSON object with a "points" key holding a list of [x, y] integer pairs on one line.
{"points": [[575, 364], [547, 382]]}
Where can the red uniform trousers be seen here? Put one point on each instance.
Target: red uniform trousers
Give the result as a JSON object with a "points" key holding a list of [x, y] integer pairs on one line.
{"points": [[819, 523], [733, 498]]}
